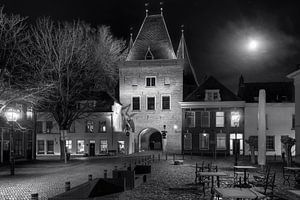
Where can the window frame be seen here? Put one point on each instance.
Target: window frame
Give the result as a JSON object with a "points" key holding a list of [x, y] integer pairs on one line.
{"points": [[210, 95], [222, 117], [47, 142], [87, 129], [193, 118], [147, 106], [221, 148], [201, 135], [202, 117], [68, 145], [162, 103], [77, 150], [150, 77], [40, 151], [273, 143], [100, 146], [132, 107], [101, 123]]}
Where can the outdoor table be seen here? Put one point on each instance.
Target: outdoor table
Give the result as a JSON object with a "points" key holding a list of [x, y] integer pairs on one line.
{"points": [[294, 169], [245, 168], [213, 174], [238, 193]]}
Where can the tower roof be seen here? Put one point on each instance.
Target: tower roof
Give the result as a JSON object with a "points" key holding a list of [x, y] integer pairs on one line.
{"points": [[188, 70], [152, 35]]}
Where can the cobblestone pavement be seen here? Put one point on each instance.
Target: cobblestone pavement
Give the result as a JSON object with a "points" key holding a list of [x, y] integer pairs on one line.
{"points": [[47, 178]]}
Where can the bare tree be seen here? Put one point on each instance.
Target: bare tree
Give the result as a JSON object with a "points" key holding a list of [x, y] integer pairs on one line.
{"points": [[76, 59], [15, 78]]}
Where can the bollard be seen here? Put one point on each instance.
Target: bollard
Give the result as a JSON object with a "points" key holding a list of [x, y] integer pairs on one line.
{"points": [[35, 196], [166, 156], [67, 186], [124, 184], [90, 177], [105, 173], [173, 156]]}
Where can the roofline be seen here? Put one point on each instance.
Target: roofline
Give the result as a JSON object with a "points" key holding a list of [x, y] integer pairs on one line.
{"points": [[137, 36], [212, 104], [188, 58], [294, 74], [168, 36], [133, 63]]}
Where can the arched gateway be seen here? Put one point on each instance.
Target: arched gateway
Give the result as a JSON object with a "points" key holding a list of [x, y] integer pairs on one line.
{"points": [[149, 139]]}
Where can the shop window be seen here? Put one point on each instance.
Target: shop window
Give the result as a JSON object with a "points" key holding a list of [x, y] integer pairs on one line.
{"points": [[69, 145], [80, 146], [103, 146]]}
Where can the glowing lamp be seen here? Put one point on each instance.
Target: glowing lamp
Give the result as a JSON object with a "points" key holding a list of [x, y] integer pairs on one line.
{"points": [[12, 114]]}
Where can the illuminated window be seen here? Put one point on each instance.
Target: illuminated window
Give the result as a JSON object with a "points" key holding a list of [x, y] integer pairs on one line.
{"points": [[219, 119], [80, 146], [150, 81], [166, 102], [190, 119], [150, 103], [136, 103], [235, 119], [69, 145], [102, 126], [29, 113], [103, 146], [203, 141], [221, 141], [89, 127]]}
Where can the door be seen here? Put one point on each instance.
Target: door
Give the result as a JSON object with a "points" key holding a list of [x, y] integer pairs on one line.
{"points": [[236, 146], [92, 149]]}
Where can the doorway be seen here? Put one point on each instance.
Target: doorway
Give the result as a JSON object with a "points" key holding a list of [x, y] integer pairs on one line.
{"points": [[92, 148], [155, 141], [236, 143]]}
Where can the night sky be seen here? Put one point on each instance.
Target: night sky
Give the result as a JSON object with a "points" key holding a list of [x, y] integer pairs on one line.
{"points": [[216, 31]]}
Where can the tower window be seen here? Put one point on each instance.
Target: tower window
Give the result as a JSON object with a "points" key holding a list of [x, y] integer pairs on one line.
{"points": [[150, 81], [166, 102], [149, 55], [150, 103]]}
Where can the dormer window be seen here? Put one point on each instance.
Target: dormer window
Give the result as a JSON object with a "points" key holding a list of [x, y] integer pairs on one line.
{"points": [[212, 95], [149, 55]]}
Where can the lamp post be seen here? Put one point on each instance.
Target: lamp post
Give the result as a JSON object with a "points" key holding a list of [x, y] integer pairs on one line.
{"points": [[12, 115], [235, 119]]}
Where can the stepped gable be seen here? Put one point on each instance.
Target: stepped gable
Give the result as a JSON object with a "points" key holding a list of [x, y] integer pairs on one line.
{"points": [[189, 75], [153, 36], [275, 91], [212, 84]]}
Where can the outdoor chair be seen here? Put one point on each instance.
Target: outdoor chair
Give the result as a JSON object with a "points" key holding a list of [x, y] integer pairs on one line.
{"points": [[268, 187], [204, 181], [260, 177]]}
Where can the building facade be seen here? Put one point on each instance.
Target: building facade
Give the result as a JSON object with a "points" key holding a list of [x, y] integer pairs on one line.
{"points": [[213, 121], [152, 83], [280, 113], [98, 132]]}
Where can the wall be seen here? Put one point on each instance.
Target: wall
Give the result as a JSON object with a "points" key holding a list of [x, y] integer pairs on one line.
{"points": [[157, 118], [279, 122]]}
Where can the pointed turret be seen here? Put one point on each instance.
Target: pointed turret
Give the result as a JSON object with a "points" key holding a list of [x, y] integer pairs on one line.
{"points": [[189, 76]]}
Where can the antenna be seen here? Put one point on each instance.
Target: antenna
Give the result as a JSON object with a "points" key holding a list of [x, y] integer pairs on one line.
{"points": [[161, 7], [146, 7]]}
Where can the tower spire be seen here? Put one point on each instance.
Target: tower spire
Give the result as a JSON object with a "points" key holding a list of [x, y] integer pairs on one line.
{"points": [[161, 7], [146, 8], [131, 40]]}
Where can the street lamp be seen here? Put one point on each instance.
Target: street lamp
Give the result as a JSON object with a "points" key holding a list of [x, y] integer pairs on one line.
{"points": [[12, 115], [235, 119]]}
